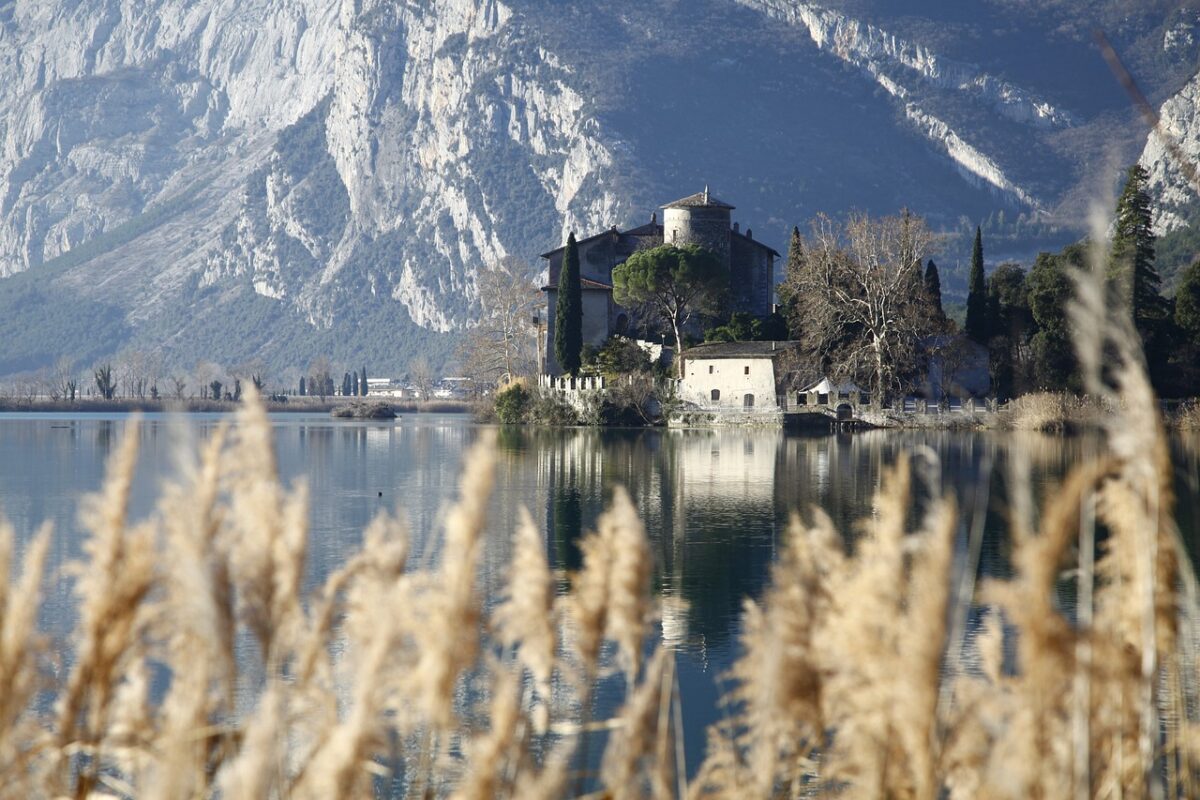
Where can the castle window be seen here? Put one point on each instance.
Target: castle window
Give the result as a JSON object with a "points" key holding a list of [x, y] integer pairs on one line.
{"points": [[747, 369], [710, 369], [716, 395], [748, 401]]}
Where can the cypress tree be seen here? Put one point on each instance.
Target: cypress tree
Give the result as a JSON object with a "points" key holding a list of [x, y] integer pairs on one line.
{"points": [[302, 386], [345, 384], [789, 289], [977, 302], [354, 389], [362, 382], [933, 290], [1132, 273], [568, 312]]}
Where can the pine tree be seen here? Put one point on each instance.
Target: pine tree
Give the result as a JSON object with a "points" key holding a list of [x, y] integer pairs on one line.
{"points": [[302, 386], [933, 291], [977, 302], [568, 319], [362, 382], [1132, 274], [354, 390]]}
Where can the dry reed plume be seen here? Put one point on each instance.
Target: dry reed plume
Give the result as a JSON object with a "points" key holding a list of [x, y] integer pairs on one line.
{"points": [[884, 671]]}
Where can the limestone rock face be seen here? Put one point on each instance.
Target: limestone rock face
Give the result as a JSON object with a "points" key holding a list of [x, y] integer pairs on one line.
{"points": [[1173, 191], [307, 143], [283, 180]]}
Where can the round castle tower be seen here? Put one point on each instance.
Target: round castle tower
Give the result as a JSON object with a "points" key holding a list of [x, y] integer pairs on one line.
{"points": [[700, 219]]}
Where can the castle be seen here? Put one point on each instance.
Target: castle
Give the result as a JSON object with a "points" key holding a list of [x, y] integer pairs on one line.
{"points": [[699, 219]]}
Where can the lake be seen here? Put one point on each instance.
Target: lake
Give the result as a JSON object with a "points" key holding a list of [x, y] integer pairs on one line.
{"points": [[716, 503]]}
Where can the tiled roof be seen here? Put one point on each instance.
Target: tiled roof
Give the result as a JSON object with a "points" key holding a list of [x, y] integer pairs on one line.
{"points": [[738, 349], [585, 283], [699, 200]]}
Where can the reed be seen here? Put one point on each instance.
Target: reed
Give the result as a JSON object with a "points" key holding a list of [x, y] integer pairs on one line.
{"points": [[855, 679]]}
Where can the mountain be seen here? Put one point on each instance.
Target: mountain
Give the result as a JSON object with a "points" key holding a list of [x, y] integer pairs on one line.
{"points": [[278, 180]]}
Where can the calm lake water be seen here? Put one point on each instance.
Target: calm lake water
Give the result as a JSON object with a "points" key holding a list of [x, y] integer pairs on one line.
{"points": [[716, 502]]}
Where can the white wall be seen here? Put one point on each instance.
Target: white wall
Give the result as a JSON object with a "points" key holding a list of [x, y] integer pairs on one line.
{"points": [[729, 376]]}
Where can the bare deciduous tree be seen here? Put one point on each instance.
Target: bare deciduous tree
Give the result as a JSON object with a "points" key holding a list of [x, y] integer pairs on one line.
{"points": [[860, 311], [421, 375], [320, 374], [66, 380], [500, 345]]}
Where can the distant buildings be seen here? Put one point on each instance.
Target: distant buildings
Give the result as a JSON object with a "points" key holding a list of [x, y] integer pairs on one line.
{"points": [[698, 219]]}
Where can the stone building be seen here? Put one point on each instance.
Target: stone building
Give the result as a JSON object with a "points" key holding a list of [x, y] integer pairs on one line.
{"points": [[735, 376], [698, 219]]}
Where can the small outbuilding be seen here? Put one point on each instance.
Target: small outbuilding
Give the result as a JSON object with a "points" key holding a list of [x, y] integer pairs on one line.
{"points": [[734, 376]]}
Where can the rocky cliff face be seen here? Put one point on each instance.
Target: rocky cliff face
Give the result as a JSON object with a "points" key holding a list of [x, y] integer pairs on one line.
{"points": [[282, 179], [1175, 193]]}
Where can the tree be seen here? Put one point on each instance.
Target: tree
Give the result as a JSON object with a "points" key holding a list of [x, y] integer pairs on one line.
{"points": [[977, 312], [1010, 323], [363, 386], [421, 374], [320, 378], [302, 386], [214, 388], [1132, 274], [178, 386], [741, 327], [1187, 304], [66, 385], [499, 346], [1049, 291], [792, 273], [674, 282], [347, 384], [861, 298], [104, 381], [933, 291], [568, 312], [354, 388]]}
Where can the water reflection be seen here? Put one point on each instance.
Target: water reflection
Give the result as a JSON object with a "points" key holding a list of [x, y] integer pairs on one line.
{"points": [[716, 503]]}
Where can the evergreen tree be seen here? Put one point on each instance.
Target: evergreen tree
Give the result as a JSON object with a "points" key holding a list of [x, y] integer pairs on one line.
{"points": [[354, 390], [346, 384], [302, 386], [1132, 273], [789, 289], [1187, 304], [362, 382], [568, 319], [933, 291], [977, 303], [1049, 290]]}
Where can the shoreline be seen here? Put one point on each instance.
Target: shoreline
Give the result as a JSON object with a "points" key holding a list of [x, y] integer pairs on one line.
{"points": [[196, 406]]}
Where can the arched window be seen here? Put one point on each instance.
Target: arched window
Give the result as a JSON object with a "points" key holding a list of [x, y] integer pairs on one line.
{"points": [[748, 401], [716, 395]]}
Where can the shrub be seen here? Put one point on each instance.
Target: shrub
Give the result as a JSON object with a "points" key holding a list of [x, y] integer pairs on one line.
{"points": [[512, 404]]}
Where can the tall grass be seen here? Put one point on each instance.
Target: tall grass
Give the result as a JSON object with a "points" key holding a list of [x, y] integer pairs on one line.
{"points": [[882, 672]]}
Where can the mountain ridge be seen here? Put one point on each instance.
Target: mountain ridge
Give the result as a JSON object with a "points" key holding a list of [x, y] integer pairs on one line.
{"points": [[327, 175]]}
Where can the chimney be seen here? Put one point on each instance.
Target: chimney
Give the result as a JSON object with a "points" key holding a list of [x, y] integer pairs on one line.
{"points": [[735, 227], [749, 233]]}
